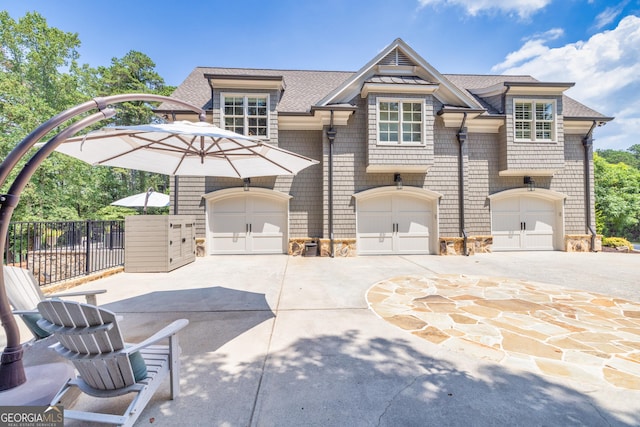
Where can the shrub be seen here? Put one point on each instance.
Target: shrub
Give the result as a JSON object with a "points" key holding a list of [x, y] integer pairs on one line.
{"points": [[616, 242]]}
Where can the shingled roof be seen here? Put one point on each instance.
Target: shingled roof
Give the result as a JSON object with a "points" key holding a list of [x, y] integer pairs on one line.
{"points": [[303, 89]]}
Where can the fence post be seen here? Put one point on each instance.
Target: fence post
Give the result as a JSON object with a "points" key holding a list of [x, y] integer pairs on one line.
{"points": [[87, 265]]}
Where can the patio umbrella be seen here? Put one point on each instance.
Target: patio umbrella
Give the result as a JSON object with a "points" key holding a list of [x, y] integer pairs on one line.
{"points": [[186, 149], [143, 200]]}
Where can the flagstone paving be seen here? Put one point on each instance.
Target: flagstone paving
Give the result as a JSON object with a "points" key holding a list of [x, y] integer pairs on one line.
{"points": [[539, 327]]}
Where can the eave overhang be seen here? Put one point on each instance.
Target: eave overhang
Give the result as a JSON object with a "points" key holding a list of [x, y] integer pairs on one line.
{"points": [[582, 125], [527, 172], [403, 168], [523, 88], [317, 118], [412, 89], [226, 81]]}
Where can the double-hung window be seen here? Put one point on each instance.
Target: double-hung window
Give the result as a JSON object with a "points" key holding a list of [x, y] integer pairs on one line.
{"points": [[534, 120], [400, 121], [246, 114]]}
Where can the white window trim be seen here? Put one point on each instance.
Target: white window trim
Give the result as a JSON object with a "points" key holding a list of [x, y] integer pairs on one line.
{"points": [[554, 126], [400, 143], [224, 95]]}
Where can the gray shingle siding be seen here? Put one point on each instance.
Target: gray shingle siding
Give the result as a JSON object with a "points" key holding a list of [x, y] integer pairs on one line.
{"points": [[190, 191], [532, 155], [305, 207], [378, 155]]}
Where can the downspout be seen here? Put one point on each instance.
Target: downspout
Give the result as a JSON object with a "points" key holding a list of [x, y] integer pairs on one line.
{"points": [[587, 143], [462, 137], [331, 134]]}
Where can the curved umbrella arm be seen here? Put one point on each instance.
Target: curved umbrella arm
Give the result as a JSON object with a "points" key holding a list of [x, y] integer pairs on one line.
{"points": [[11, 368]]}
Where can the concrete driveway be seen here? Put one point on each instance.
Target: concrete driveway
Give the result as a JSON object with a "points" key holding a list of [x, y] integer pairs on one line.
{"points": [[290, 341]]}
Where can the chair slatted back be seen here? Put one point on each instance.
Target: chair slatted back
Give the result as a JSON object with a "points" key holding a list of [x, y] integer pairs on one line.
{"points": [[92, 332], [22, 288]]}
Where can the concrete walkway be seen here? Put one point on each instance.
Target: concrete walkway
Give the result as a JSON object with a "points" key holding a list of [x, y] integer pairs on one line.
{"points": [[291, 341]]}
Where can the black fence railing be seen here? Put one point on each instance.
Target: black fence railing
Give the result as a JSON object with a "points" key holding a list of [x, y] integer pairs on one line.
{"points": [[57, 251]]}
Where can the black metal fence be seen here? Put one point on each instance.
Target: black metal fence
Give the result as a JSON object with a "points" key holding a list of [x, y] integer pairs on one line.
{"points": [[57, 251]]}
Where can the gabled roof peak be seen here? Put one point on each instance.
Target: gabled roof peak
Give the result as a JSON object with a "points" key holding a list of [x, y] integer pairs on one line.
{"points": [[399, 58]]}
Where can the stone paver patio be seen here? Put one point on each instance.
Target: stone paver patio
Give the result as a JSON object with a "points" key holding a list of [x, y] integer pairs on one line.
{"points": [[542, 328]]}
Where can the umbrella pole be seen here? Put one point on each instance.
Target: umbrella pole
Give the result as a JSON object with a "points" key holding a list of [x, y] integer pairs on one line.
{"points": [[12, 372]]}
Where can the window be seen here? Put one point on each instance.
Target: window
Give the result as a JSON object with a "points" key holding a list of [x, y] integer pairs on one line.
{"points": [[534, 120], [399, 122], [246, 114]]}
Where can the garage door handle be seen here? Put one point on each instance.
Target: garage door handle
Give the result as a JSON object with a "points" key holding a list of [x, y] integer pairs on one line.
{"points": [[248, 228]]}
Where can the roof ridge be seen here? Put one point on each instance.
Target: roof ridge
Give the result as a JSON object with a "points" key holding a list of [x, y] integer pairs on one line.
{"points": [[488, 75], [275, 69]]}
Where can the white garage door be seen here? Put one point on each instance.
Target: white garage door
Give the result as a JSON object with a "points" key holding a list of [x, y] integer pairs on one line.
{"points": [[394, 224], [523, 223], [247, 224]]}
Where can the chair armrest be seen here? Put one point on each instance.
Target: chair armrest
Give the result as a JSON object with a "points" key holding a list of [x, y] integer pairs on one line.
{"points": [[165, 332], [21, 312], [90, 296], [76, 294]]}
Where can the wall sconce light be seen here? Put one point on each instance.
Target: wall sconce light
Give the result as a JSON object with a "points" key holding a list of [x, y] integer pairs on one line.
{"points": [[530, 182], [246, 182], [397, 178]]}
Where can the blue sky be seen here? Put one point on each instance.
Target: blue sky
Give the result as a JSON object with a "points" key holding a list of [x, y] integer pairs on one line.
{"points": [[594, 43]]}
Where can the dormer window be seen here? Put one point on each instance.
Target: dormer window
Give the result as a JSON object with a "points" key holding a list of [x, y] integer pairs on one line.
{"points": [[246, 114], [534, 120], [400, 121]]}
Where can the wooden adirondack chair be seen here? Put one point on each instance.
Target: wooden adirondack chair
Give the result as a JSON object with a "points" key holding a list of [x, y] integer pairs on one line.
{"points": [[90, 338], [24, 294]]}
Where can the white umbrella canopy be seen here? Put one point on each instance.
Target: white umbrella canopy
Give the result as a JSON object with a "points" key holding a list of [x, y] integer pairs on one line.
{"points": [[186, 149], [150, 198]]}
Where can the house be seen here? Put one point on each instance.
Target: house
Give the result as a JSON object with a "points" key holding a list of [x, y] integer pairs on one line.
{"points": [[412, 161]]}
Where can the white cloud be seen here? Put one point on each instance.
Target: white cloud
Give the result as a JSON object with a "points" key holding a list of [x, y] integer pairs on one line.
{"points": [[608, 15], [523, 8], [605, 68]]}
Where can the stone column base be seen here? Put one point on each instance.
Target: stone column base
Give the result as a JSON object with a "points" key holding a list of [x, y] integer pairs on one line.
{"points": [[582, 243], [341, 247], [296, 245], [201, 246], [475, 244]]}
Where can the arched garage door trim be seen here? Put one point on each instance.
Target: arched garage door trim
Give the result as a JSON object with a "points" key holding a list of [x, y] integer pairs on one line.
{"points": [[527, 220], [397, 221], [253, 221]]}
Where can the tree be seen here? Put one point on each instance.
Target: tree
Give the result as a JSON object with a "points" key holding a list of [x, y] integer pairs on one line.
{"points": [[630, 156], [39, 77], [617, 191], [133, 73], [34, 87]]}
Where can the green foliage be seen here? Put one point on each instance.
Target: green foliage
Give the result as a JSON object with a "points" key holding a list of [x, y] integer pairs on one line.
{"points": [[630, 157], [617, 191], [113, 213], [616, 242]]}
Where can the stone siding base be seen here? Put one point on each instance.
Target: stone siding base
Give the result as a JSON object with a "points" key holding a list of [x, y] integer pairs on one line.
{"points": [[582, 243], [296, 245], [201, 246], [475, 244], [341, 247]]}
